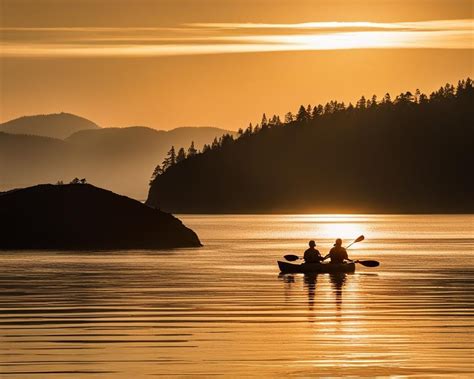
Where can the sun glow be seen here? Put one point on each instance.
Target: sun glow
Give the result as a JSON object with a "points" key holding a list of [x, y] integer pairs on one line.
{"points": [[330, 226], [198, 39]]}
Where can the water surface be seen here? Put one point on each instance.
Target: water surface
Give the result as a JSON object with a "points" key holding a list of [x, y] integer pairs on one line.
{"points": [[224, 310]]}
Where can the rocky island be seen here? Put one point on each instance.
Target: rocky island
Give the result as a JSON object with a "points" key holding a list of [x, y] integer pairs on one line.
{"points": [[85, 217]]}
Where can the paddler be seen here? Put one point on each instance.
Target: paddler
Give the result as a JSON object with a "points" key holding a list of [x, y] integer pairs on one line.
{"points": [[338, 254], [312, 255]]}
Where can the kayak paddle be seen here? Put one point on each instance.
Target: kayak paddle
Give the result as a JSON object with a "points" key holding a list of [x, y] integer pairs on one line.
{"points": [[291, 257], [368, 263], [358, 239]]}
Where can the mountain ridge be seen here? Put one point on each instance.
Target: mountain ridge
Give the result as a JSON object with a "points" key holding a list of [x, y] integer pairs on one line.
{"points": [[121, 159]]}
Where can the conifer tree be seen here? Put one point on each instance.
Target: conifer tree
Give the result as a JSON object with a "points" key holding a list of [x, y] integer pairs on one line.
{"points": [[156, 172], [181, 155], [417, 95], [249, 130], [302, 114], [423, 99], [327, 108], [170, 159], [172, 155], [405, 98], [192, 150], [373, 102], [449, 90], [308, 112], [289, 118], [273, 121], [226, 139], [317, 111], [362, 103]]}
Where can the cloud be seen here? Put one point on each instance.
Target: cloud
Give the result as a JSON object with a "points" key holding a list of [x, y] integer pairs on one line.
{"points": [[225, 38], [463, 24]]}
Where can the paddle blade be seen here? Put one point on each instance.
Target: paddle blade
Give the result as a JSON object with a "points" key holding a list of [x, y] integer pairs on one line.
{"points": [[369, 263], [291, 257], [360, 238]]}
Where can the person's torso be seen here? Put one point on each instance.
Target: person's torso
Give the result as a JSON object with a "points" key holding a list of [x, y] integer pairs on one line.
{"points": [[338, 254], [312, 255]]}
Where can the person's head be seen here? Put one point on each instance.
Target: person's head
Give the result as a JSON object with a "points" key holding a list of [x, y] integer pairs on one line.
{"points": [[312, 243], [338, 242]]}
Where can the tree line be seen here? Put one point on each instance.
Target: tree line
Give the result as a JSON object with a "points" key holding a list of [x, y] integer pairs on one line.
{"points": [[308, 114], [412, 153]]}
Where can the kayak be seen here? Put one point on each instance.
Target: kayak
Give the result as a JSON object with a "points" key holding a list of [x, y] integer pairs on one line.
{"points": [[316, 267]]}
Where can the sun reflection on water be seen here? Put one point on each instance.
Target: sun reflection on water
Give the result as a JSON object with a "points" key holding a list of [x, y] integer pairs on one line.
{"points": [[224, 310]]}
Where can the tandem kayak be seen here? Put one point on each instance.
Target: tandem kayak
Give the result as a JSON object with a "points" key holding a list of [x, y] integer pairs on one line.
{"points": [[316, 267]]}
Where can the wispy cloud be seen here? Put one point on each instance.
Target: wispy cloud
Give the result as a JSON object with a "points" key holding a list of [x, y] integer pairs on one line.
{"points": [[464, 24], [224, 38]]}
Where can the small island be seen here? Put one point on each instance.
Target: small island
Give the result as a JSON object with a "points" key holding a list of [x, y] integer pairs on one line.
{"points": [[85, 217]]}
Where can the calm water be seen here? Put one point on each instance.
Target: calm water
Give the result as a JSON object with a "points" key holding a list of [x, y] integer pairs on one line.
{"points": [[223, 310]]}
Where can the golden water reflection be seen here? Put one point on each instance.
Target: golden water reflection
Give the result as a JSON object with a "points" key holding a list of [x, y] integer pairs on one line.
{"points": [[223, 310]]}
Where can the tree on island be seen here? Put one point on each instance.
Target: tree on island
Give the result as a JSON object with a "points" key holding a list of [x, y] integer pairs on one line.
{"points": [[77, 181], [156, 172], [170, 159]]}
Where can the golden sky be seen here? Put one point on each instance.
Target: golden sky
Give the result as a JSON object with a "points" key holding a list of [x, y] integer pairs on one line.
{"points": [[222, 62]]}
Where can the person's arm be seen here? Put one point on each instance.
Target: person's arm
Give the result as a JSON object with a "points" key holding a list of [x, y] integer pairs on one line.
{"points": [[328, 255], [346, 256], [320, 257]]}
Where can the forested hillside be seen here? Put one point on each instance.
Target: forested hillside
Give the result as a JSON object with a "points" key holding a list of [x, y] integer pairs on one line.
{"points": [[412, 153]]}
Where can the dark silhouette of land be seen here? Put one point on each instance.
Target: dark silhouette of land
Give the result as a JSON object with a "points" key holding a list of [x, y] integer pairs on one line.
{"points": [[413, 154], [121, 159], [59, 125], [81, 216]]}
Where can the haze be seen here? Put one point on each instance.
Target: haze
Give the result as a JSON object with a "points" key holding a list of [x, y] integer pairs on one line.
{"points": [[171, 63]]}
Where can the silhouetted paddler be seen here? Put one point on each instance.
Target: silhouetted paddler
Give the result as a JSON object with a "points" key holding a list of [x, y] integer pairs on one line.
{"points": [[338, 254], [312, 255]]}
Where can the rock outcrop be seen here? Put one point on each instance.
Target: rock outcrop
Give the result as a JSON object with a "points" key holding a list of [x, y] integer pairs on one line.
{"points": [[84, 217]]}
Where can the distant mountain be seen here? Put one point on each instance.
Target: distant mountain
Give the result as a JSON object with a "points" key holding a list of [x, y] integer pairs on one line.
{"points": [[27, 160], [81, 216], [130, 137], [59, 125], [413, 154], [121, 159]]}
